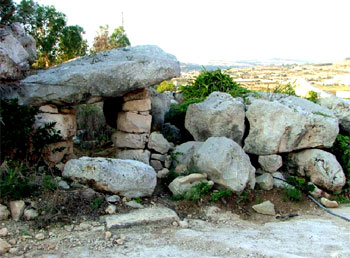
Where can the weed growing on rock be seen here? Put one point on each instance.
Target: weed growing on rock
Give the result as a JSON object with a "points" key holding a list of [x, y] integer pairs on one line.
{"points": [[293, 194], [285, 89], [197, 192], [215, 196], [313, 96], [166, 86]]}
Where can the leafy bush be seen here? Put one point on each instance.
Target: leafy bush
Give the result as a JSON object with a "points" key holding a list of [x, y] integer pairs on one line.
{"points": [[197, 191], [215, 196], [285, 89], [341, 150], [313, 96], [293, 194], [166, 86], [210, 81], [299, 186], [19, 140]]}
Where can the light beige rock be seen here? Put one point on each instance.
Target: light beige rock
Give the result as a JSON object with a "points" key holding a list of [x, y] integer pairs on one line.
{"points": [[4, 212], [134, 123], [56, 157], [270, 163], [266, 208], [317, 192], [157, 156], [158, 143], [219, 115], [4, 246], [3, 232], [30, 214], [265, 181], [328, 203], [139, 155], [66, 124], [320, 166], [111, 209], [137, 105], [52, 109], [182, 184], [130, 140], [40, 236], [17, 209], [136, 95], [281, 124], [142, 216], [225, 162]]}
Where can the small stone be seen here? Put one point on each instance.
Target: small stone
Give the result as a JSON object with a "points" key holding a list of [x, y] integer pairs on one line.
{"points": [[158, 143], [30, 214], [40, 236], [134, 204], [156, 164], [12, 241], [328, 203], [3, 232], [270, 163], [63, 185], [266, 208], [167, 162], [113, 199], [181, 169], [183, 224], [108, 235], [84, 226], [175, 224], [157, 156], [17, 209], [14, 251], [4, 246], [162, 173], [120, 241], [265, 181], [4, 212], [124, 199], [111, 209]]}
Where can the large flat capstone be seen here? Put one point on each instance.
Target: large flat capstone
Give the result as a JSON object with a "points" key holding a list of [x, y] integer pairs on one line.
{"points": [[142, 216], [128, 178], [91, 78]]}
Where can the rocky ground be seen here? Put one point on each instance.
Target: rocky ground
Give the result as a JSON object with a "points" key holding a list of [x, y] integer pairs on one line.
{"points": [[226, 228]]}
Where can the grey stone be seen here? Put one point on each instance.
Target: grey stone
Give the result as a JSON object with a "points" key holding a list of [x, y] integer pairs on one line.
{"points": [[279, 180], [320, 166], [163, 173], [265, 181], [30, 214], [282, 123], [219, 115], [4, 212], [111, 209], [128, 178], [142, 216], [17, 209], [158, 143], [160, 106], [134, 123], [63, 185], [134, 204], [157, 156], [270, 163], [225, 162], [183, 184], [113, 199], [156, 164], [91, 78], [139, 155], [266, 208], [130, 140], [184, 152]]}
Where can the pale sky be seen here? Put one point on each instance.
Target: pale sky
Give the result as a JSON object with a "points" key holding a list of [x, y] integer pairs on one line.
{"points": [[199, 30]]}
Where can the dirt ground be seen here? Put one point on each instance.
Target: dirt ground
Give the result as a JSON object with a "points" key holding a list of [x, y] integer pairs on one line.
{"points": [[226, 228]]}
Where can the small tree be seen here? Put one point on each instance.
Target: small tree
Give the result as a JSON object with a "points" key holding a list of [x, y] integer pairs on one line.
{"points": [[119, 38], [103, 41]]}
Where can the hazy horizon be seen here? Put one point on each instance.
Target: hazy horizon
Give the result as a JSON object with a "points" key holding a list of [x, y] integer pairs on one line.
{"points": [[202, 31]]}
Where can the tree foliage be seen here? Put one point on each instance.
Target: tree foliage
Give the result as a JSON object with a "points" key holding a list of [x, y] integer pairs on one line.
{"points": [[103, 41], [56, 42]]}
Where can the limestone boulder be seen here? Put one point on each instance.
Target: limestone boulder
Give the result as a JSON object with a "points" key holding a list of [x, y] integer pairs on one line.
{"points": [[225, 163], [138, 154], [270, 163], [130, 140], [104, 75], [160, 106], [128, 178], [134, 123], [158, 143], [137, 105], [184, 152], [266, 208], [320, 166], [341, 109], [265, 181], [280, 123], [219, 115], [17, 50], [183, 184], [65, 123], [57, 151]]}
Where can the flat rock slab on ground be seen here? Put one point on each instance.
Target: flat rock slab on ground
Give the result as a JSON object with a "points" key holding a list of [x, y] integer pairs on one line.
{"points": [[142, 216]]}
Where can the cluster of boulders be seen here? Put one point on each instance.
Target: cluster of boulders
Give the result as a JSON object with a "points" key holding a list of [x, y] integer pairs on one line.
{"points": [[18, 210]]}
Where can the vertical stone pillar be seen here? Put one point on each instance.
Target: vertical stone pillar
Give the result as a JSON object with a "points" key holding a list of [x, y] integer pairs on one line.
{"points": [[65, 120], [134, 126]]}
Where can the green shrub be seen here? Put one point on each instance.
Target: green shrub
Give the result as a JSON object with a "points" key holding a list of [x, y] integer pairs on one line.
{"points": [[215, 196], [166, 86], [285, 89], [341, 150], [293, 194], [197, 191], [313, 96], [19, 139], [210, 81]]}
